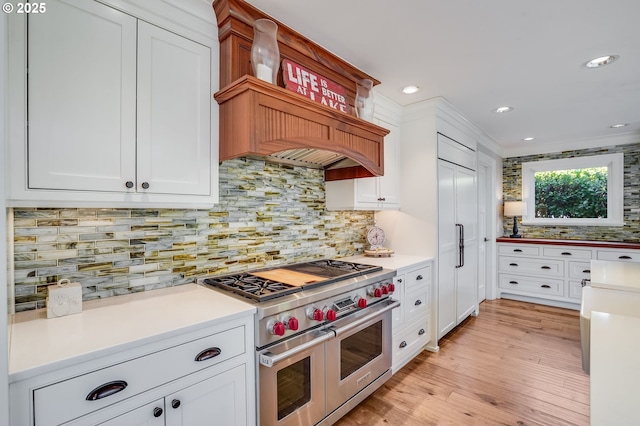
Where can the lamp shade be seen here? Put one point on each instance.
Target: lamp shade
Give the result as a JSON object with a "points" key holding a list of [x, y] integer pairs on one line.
{"points": [[514, 208]]}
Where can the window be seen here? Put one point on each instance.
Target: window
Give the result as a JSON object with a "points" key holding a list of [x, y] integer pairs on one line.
{"points": [[575, 191]]}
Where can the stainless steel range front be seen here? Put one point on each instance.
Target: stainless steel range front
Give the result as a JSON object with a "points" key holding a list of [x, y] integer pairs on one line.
{"points": [[323, 336]]}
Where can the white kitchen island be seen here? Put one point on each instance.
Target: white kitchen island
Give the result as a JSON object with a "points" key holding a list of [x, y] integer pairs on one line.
{"points": [[159, 357]]}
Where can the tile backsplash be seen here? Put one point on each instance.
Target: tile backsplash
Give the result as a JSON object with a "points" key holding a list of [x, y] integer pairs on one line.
{"points": [[268, 214], [630, 232]]}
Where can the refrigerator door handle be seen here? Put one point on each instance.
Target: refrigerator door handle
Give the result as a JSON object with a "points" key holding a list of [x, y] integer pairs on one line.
{"points": [[460, 230]]}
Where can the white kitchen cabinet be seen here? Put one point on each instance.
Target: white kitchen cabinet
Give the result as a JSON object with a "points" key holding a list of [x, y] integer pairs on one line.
{"points": [[119, 110], [373, 193], [412, 320], [550, 273], [457, 234], [129, 363]]}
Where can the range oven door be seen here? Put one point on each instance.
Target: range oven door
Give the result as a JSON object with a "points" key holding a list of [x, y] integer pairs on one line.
{"points": [[360, 352], [291, 381]]}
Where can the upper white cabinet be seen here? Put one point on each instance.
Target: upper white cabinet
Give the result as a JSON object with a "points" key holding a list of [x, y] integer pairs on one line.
{"points": [[120, 111], [373, 193]]}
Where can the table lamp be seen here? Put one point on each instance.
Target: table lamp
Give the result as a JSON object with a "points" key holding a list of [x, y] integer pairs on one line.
{"points": [[515, 209]]}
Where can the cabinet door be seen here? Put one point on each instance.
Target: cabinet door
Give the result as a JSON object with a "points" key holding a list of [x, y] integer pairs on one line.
{"points": [[367, 191], [174, 113], [147, 415], [388, 186], [82, 97], [447, 248], [466, 213], [220, 400]]}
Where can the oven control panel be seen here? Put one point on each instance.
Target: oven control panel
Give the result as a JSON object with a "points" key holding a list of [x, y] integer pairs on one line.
{"points": [[295, 321]]}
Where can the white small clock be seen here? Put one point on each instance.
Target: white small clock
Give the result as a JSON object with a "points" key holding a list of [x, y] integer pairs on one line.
{"points": [[375, 237]]}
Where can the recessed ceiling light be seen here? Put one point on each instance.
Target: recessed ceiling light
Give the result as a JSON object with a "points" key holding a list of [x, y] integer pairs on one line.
{"points": [[410, 89], [503, 109], [528, 139], [601, 61], [617, 126]]}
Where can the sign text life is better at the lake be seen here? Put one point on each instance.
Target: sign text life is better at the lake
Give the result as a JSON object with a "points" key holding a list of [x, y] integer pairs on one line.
{"points": [[313, 86]]}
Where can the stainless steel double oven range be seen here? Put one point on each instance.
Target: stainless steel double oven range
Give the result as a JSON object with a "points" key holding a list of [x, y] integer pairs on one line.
{"points": [[323, 337]]}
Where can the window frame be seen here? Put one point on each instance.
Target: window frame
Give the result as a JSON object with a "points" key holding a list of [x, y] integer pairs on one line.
{"points": [[615, 188]]}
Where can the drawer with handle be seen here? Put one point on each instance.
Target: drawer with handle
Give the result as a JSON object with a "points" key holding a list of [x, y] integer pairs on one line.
{"points": [[521, 250], [417, 303], [567, 253], [418, 278], [531, 285], [619, 255], [579, 270], [531, 266], [411, 339], [98, 389]]}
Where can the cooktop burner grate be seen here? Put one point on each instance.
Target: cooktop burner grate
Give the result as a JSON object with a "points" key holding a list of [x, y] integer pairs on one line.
{"points": [[252, 286]]}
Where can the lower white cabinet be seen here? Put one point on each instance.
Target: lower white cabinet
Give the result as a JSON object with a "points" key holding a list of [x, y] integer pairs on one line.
{"points": [[412, 320], [203, 377], [549, 273]]}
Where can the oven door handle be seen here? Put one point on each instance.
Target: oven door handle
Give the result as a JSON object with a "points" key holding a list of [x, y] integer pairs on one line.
{"points": [[269, 359], [391, 304]]}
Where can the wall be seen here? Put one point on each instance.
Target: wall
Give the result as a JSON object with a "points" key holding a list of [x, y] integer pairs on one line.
{"points": [[512, 188], [4, 359], [268, 214]]}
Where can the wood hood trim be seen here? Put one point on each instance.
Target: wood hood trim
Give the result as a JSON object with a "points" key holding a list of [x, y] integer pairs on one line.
{"points": [[259, 119]]}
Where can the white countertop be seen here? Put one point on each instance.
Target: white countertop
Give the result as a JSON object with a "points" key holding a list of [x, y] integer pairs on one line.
{"points": [[615, 370], [615, 275], [397, 261], [109, 325]]}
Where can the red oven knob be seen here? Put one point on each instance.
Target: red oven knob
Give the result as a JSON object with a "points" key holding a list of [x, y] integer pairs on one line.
{"points": [[292, 323], [277, 328], [377, 292], [362, 302], [385, 289], [315, 314], [331, 315], [391, 287]]}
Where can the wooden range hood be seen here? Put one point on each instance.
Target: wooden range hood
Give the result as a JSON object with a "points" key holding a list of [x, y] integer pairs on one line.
{"points": [[259, 119]]}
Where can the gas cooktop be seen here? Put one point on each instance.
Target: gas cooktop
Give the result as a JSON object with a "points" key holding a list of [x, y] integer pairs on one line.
{"points": [[266, 284]]}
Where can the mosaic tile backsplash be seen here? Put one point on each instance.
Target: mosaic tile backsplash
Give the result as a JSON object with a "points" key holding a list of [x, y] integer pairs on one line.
{"points": [[268, 214], [630, 232]]}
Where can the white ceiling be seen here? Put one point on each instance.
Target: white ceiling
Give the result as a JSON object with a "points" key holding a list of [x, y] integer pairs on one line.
{"points": [[483, 54]]}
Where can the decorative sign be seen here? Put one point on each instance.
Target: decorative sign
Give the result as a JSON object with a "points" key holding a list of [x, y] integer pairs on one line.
{"points": [[313, 86]]}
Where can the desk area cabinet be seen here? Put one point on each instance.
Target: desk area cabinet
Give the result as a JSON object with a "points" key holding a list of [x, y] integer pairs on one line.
{"points": [[551, 271]]}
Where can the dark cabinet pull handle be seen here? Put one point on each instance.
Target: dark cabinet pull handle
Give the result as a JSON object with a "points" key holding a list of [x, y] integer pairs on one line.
{"points": [[106, 390], [513, 264], [208, 354], [419, 277], [566, 253], [403, 344], [157, 412], [399, 280], [129, 184], [586, 271], [545, 267], [545, 286], [418, 302], [624, 257], [175, 403], [421, 332], [517, 250], [145, 185], [513, 282]]}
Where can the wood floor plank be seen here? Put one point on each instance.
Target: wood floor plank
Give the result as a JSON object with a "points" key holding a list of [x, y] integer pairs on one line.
{"points": [[516, 363]]}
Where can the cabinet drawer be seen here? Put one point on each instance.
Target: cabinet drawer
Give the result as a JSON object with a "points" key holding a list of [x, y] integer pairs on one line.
{"points": [[619, 255], [132, 377], [417, 304], [411, 340], [417, 278], [575, 290], [532, 285], [579, 270], [567, 252], [539, 267], [523, 250]]}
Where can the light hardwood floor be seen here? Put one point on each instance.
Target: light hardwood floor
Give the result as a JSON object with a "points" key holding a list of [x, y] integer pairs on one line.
{"points": [[515, 364]]}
